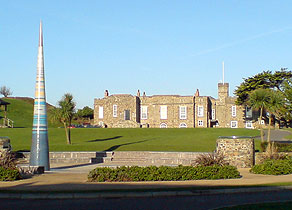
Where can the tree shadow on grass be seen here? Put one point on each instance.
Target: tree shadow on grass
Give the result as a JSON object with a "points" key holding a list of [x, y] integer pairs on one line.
{"points": [[112, 138], [119, 145]]}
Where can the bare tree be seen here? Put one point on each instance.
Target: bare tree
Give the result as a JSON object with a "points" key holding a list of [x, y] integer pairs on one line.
{"points": [[5, 91]]}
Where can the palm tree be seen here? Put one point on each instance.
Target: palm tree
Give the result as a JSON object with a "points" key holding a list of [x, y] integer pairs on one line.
{"points": [[65, 113], [259, 100], [275, 105]]}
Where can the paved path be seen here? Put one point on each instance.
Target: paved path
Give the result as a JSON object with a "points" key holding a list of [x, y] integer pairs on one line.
{"points": [[66, 187], [75, 179], [277, 134]]}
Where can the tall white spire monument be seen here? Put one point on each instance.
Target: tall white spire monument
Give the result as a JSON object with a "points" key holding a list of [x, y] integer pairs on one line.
{"points": [[39, 153]]}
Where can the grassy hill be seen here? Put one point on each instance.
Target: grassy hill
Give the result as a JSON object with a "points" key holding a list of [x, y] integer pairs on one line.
{"points": [[20, 111]]}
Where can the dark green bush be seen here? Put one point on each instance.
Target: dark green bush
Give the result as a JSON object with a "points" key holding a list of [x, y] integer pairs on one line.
{"points": [[162, 173], [9, 174], [273, 167]]}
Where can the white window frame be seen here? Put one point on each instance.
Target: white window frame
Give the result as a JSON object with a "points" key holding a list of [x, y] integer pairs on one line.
{"points": [[100, 112], [115, 110], [163, 112], [235, 122], [144, 112], [163, 125], [200, 111], [183, 125], [183, 112], [233, 111], [248, 124], [200, 123], [213, 114]]}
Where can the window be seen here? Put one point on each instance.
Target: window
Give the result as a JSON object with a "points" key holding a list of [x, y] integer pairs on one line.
{"points": [[248, 112], [248, 124], [115, 110], [233, 111], [163, 125], [182, 125], [200, 123], [233, 124], [163, 112], [213, 114], [144, 110], [100, 112], [127, 114], [200, 111], [182, 112]]}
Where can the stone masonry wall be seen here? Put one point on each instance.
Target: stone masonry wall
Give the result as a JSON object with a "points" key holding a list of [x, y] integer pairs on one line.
{"points": [[173, 103], [202, 101], [238, 152], [123, 102]]}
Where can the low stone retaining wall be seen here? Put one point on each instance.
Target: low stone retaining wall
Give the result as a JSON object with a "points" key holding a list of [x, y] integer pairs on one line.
{"points": [[261, 156]]}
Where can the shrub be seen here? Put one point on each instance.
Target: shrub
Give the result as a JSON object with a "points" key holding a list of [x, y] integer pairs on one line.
{"points": [[8, 160], [162, 173], [210, 159], [273, 167], [9, 174]]}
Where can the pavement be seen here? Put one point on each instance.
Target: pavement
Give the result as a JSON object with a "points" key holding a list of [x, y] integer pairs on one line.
{"points": [[70, 181], [277, 134]]}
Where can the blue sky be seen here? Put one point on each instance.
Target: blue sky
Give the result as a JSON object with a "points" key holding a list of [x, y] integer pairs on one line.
{"points": [[160, 47]]}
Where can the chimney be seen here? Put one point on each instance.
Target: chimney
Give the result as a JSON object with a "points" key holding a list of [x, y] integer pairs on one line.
{"points": [[197, 93], [106, 93], [138, 93]]}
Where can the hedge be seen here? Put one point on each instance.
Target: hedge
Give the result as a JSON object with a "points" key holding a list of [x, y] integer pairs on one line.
{"points": [[162, 173], [9, 174], [273, 167]]}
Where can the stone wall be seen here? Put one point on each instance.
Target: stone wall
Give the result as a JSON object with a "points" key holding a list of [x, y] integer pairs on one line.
{"points": [[222, 109], [123, 102], [237, 151], [173, 103], [203, 101], [5, 144]]}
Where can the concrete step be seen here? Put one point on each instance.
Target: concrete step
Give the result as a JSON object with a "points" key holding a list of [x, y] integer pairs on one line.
{"points": [[101, 160], [114, 159], [69, 160], [139, 157]]}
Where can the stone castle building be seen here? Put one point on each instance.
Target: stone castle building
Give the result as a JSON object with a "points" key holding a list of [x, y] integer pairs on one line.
{"points": [[172, 111]]}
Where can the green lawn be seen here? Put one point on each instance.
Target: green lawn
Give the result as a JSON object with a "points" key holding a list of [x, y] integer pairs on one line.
{"points": [[127, 139]]}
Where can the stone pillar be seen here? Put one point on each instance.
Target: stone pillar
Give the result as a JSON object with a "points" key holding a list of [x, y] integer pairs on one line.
{"points": [[237, 150], [4, 144]]}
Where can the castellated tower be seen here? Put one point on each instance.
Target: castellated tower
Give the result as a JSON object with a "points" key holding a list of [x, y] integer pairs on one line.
{"points": [[223, 91]]}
